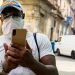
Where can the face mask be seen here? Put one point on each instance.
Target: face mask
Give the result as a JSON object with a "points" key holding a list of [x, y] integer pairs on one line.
{"points": [[12, 23]]}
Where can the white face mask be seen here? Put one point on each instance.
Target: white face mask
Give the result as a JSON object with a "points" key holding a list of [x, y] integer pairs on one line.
{"points": [[12, 23]]}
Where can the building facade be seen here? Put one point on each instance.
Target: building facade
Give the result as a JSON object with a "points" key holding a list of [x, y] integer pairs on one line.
{"points": [[43, 16], [73, 16], [47, 16], [68, 15]]}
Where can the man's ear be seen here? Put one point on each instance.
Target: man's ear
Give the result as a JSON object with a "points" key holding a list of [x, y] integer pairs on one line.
{"points": [[23, 16]]}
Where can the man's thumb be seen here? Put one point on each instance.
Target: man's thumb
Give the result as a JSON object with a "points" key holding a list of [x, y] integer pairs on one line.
{"points": [[5, 47]]}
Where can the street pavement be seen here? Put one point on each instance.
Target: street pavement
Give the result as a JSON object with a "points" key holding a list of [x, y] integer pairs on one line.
{"points": [[65, 65]]}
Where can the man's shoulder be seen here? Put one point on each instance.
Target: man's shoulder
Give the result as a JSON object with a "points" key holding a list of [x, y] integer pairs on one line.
{"points": [[41, 36], [37, 34]]}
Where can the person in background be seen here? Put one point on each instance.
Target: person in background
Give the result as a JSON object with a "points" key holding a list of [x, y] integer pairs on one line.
{"points": [[19, 60]]}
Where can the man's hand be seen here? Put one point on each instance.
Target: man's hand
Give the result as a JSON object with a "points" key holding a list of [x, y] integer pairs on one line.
{"points": [[17, 55], [8, 65], [23, 56]]}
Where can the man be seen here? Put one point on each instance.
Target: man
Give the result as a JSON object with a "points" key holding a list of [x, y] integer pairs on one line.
{"points": [[18, 60]]}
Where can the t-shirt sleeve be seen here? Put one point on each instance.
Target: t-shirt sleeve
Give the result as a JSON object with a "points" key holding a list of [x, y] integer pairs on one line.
{"points": [[44, 46]]}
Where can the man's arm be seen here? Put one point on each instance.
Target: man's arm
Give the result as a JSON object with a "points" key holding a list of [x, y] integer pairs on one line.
{"points": [[46, 67]]}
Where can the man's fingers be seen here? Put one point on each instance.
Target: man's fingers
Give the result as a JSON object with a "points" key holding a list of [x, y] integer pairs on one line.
{"points": [[15, 46], [18, 47], [5, 47], [13, 59]]}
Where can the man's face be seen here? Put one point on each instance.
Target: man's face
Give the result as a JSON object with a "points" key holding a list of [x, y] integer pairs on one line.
{"points": [[12, 19]]}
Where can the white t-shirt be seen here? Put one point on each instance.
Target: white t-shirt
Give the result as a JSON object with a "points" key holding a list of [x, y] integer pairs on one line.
{"points": [[44, 46]]}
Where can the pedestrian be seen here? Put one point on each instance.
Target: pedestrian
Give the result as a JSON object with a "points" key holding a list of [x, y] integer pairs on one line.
{"points": [[19, 60], [53, 46]]}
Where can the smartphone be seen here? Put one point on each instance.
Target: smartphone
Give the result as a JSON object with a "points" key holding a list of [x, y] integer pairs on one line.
{"points": [[19, 36]]}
